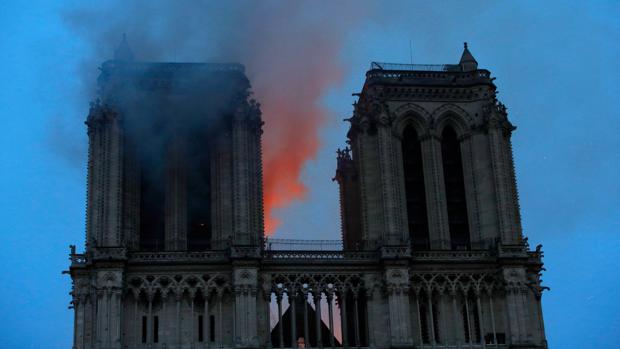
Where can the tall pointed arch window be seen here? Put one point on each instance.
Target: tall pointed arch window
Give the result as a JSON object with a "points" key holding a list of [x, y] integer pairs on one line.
{"points": [[199, 228], [152, 199], [455, 189], [414, 189]]}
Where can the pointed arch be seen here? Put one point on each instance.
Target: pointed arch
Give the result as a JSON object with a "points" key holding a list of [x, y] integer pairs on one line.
{"points": [[453, 115], [414, 115]]}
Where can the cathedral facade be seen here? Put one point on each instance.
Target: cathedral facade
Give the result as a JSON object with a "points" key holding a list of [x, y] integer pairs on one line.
{"points": [[432, 254]]}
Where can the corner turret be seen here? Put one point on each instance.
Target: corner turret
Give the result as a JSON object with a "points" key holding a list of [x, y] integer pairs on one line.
{"points": [[468, 62], [123, 51]]}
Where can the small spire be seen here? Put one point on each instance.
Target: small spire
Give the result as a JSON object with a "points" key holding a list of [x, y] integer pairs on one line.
{"points": [[468, 62], [123, 51]]}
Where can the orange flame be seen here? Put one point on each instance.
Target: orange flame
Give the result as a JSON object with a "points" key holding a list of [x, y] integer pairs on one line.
{"points": [[290, 98]]}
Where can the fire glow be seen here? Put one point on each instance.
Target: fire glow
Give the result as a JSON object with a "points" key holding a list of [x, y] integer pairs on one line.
{"points": [[293, 118], [289, 80], [291, 51]]}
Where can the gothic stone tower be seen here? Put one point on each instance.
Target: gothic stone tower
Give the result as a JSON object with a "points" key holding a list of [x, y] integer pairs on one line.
{"points": [[429, 182], [174, 182], [432, 254]]}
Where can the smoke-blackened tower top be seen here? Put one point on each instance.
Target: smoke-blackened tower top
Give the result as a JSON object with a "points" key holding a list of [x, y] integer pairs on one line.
{"points": [[174, 157]]}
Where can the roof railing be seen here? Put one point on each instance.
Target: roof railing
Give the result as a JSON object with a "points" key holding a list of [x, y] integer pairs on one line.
{"points": [[416, 67], [302, 245], [173, 66]]}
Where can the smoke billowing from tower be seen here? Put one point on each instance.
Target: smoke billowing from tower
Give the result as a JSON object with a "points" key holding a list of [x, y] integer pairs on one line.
{"points": [[290, 49]]}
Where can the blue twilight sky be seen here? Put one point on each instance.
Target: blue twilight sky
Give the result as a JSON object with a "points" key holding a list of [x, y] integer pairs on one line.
{"points": [[556, 65]]}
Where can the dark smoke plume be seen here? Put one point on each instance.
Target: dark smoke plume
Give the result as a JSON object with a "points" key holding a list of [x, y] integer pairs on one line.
{"points": [[291, 50]]}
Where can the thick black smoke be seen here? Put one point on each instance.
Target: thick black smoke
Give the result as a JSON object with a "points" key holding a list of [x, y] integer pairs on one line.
{"points": [[291, 50]]}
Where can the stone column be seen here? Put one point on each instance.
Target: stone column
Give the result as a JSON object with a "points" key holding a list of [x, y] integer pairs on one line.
{"points": [[193, 320], [222, 198], [252, 319], [106, 331], [150, 324], [343, 318], [429, 296], [245, 324], [395, 232], [105, 176], [492, 313], [256, 173], [280, 323], [306, 324], [206, 321], [373, 313], [397, 281], [501, 181], [525, 313], [131, 195], [79, 305], [330, 299], [366, 147], [100, 315], [455, 314], [515, 280], [356, 318], [511, 315], [471, 191], [176, 197], [95, 178], [439, 232], [136, 319], [291, 300], [480, 319], [514, 194], [75, 324], [178, 296], [107, 318], [445, 330], [241, 179], [115, 177], [317, 309], [417, 305], [357, 148], [108, 313], [467, 316], [163, 318], [117, 318], [503, 175], [541, 326], [267, 325], [484, 194], [93, 318], [220, 330]]}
